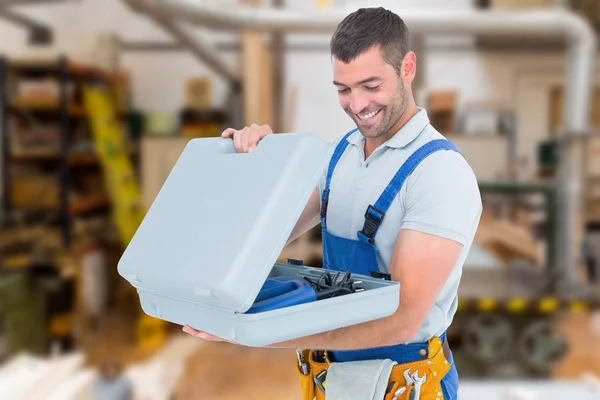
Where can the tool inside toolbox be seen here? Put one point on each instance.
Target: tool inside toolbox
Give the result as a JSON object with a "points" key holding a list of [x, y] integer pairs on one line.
{"points": [[285, 291]]}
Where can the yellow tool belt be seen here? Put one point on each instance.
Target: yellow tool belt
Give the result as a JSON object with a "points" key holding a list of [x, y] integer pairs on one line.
{"points": [[434, 367]]}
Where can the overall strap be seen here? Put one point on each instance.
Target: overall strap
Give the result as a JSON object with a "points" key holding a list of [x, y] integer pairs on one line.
{"points": [[375, 213], [337, 154]]}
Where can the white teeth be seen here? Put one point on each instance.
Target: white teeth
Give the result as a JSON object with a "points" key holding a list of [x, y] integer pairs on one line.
{"points": [[368, 116]]}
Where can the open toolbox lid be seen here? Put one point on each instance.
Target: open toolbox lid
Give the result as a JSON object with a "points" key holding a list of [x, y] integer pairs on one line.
{"points": [[221, 219]]}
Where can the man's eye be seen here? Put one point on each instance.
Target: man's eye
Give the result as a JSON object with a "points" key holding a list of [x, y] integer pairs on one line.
{"points": [[372, 88], [343, 90]]}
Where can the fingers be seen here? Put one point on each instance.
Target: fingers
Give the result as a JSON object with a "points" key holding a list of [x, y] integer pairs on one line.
{"points": [[228, 132], [193, 332], [237, 140], [250, 132], [266, 130], [203, 335], [253, 139], [190, 331], [245, 140]]}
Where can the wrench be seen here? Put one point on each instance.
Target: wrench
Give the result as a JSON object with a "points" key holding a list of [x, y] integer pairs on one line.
{"points": [[418, 382], [407, 378], [409, 382]]}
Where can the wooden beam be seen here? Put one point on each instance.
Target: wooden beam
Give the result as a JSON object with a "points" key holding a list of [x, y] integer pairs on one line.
{"points": [[256, 79], [278, 80]]}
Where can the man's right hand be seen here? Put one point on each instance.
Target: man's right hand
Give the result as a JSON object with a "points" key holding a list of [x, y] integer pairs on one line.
{"points": [[245, 140]]}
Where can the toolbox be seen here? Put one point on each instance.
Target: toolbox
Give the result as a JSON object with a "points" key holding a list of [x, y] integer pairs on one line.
{"points": [[208, 246]]}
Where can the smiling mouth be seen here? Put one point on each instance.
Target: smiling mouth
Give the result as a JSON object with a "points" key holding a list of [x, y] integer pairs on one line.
{"points": [[367, 117]]}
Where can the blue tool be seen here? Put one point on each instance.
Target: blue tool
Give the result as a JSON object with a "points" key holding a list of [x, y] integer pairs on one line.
{"points": [[285, 291], [282, 291]]}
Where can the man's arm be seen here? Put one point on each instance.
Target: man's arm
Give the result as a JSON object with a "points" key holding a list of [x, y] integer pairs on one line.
{"points": [[442, 207], [421, 263], [309, 218]]}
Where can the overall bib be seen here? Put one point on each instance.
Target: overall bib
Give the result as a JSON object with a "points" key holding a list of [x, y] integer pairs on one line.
{"points": [[360, 257]]}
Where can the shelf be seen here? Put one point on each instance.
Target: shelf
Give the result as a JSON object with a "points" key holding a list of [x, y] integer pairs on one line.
{"points": [[45, 107], [514, 186], [75, 111], [516, 43], [76, 158], [77, 207], [39, 67], [88, 204], [61, 105]]}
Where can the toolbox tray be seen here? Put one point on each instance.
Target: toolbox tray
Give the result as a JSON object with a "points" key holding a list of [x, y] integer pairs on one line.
{"points": [[213, 235], [379, 299]]}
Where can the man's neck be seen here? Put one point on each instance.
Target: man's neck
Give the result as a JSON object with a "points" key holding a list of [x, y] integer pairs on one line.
{"points": [[372, 143]]}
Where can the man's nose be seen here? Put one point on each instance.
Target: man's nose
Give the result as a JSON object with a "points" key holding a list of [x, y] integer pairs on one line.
{"points": [[358, 103]]}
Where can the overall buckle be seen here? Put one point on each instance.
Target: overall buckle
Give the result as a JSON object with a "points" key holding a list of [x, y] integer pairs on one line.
{"points": [[324, 201], [373, 219]]}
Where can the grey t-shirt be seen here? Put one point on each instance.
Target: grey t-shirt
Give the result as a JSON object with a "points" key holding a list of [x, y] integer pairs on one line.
{"points": [[441, 197]]}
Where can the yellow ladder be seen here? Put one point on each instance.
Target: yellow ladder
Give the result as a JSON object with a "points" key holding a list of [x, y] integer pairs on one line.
{"points": [[122, 186], [113, 152]]}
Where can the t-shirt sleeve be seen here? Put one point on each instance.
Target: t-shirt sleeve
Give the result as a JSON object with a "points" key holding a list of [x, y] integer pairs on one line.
{"points": [[442, 198]]}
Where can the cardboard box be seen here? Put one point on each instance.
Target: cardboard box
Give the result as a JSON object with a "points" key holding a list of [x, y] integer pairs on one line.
{"points": [[35, 191], [198, 92], [441, 108], [442, 100]]}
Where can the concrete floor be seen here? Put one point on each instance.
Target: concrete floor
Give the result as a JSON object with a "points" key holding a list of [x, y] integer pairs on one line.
{"points": [[221, 371], [583, 333]]}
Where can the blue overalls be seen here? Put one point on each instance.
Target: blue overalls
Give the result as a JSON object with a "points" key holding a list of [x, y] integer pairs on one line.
{"points": [[360, 257]]}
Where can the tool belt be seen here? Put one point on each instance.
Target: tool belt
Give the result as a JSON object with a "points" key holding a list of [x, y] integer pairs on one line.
{"points": [[401, 382]]}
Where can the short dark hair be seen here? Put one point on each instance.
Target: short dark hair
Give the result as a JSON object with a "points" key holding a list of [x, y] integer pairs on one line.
{"points": [[367, 27]]}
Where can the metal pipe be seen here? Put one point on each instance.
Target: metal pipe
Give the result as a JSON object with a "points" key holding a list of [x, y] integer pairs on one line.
{"points": [[22, 20], [4, 3], [535, 23], [559, 24], [201, 49], [5, 183], [128, 45]]}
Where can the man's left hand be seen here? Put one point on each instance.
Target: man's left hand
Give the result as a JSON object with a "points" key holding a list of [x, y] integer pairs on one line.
{"points": [[204, 335]]}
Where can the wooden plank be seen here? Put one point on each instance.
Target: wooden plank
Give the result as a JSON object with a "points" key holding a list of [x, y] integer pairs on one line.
{"points": [[507, 240], [278, 81], [256, 78], [158, 157], [581, 332], [258, 374], [289, 120]]}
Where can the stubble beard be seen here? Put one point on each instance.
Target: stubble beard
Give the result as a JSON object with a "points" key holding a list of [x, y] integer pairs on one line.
{"points": [[392, 114]]}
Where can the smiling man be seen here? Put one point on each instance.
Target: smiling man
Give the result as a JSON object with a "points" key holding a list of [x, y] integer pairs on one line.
{"points": [[399, 199]]}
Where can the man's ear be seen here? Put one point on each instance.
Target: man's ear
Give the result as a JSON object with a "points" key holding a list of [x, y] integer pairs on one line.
{"points": [[409, 67]]}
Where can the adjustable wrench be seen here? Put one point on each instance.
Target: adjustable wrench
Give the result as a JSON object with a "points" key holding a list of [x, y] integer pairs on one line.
{"points": [[418, 382]]}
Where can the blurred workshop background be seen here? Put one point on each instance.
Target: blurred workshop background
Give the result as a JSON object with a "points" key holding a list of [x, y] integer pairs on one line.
{"points": [[99, 97]]}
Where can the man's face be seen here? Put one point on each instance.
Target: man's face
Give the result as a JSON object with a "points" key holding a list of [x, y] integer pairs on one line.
{"points": [[370, 92]]}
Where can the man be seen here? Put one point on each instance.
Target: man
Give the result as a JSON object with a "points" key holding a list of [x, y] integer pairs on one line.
{"points": [[389, 208]]}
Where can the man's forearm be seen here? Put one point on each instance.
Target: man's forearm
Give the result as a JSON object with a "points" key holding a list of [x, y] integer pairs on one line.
{"points": [[381, 332]]}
